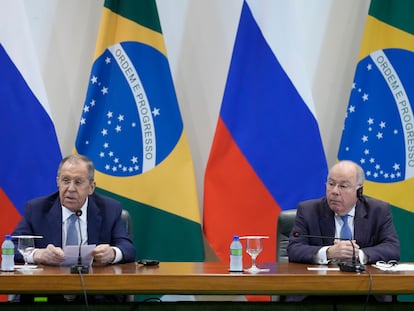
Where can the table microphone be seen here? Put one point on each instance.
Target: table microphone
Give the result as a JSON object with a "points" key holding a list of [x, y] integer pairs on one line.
{"points": [[344, 266], [79, 267]]}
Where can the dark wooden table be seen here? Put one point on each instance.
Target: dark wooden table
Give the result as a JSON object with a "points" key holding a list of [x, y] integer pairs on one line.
{"points": [[207, 279]]}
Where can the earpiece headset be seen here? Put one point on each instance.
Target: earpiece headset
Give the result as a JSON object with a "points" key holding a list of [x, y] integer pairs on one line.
{"points": [[359, 193]]}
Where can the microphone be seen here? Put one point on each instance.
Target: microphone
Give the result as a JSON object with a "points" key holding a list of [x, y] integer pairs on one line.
{"points": [[79, 267], [344, 266]]}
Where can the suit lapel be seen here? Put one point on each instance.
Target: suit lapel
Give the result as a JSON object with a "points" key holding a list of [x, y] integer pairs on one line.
{"points": [[54, 223], [327, 223], [94, 227], [361, 224]]}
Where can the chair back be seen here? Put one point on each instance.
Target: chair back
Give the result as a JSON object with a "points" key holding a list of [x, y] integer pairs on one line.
{"points": [[126, 220], [285, 224]]}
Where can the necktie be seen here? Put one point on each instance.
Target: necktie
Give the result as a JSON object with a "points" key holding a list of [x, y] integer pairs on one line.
{"points": [[346, 233], [71, 231]]}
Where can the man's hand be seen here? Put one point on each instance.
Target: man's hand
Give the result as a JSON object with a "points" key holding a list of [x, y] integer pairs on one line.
{"points": [[342, 250], [51, 255], [103, 254]]}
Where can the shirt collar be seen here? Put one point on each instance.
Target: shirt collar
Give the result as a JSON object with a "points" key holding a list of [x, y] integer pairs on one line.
{"points": [[66, 213], [350, 213]]}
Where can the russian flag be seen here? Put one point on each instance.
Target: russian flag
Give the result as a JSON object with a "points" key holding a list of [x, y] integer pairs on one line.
{"points": [[30, 150], [267, 153]]}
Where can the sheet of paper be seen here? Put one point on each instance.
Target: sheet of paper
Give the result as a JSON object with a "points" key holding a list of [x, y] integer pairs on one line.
{"points": [[323, 268], [398, 267], [72, 252]]}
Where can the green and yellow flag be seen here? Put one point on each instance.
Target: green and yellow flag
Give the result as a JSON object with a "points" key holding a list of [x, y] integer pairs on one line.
{"points": [[131, 128], [379, 124]]}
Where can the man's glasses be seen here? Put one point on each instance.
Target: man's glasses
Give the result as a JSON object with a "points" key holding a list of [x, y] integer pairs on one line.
{"points": [[386, 264], [78, 182], [330, 185]]}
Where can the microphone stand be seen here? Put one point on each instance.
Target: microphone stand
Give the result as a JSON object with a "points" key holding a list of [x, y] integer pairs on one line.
{"points": [[352, 266], [344, 266], [79, 268]]}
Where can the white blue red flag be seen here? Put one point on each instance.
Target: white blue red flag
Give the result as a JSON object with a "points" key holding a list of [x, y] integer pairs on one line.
{"points": [[30, 153], [267, 153]]}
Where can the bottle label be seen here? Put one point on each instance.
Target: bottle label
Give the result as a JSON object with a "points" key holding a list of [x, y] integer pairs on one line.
{"points": [[236, 252], [7, 251]]}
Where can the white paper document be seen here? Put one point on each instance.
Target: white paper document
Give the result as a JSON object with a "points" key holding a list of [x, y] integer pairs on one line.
{"points": [[323, 268], [72, 253], [395, 267]]}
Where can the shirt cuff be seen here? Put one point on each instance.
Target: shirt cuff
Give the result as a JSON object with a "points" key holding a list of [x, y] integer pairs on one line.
{"points": [[29, 257], [118, 254], [320, 257], [362, 257]]}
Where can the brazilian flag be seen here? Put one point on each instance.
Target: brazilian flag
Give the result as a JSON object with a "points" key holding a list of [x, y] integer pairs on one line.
{"points": [[379, 124], [131, 128]]}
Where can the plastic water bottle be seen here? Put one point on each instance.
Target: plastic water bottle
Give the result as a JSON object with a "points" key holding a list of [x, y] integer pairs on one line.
{"points": [[7, 254], [236, 255]]}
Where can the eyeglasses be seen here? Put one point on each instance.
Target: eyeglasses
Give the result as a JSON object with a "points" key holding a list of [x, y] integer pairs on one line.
{"points": [[386, 264], [78, 182], [330, 185]]}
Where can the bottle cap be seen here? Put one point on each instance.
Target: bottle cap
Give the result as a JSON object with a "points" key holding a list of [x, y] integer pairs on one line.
{"points": [[8, 237], [236, 237]]}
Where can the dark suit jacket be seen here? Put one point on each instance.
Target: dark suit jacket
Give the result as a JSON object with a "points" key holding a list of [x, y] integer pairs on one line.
{"points": [[43, 216], [374, 231]]}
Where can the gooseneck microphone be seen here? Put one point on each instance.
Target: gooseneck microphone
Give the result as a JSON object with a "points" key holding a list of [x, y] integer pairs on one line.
{"points": [[79, 267], [345, 266]]}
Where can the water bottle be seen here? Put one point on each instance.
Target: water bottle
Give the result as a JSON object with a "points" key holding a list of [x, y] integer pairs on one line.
{"points": [[236, 255], [7, 254]]}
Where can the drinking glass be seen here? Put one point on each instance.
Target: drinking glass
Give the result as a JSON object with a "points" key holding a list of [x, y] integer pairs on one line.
{"points": [[25, 247], [254, 246]]}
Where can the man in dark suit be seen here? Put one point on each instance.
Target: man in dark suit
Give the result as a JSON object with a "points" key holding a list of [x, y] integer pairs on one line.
{"points": [[368, 223], [369, 220], [100, 221]]}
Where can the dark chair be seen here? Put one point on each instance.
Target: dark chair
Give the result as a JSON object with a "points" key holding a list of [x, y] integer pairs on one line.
{"points": [[285, 223], [126, 219]]}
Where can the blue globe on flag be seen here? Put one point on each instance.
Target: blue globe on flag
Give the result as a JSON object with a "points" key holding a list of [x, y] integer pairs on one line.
{"points": [[379, 125], [130, 120]]}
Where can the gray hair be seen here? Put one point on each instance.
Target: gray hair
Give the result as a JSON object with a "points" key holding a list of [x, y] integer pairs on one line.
{"points": [[76, 158]]}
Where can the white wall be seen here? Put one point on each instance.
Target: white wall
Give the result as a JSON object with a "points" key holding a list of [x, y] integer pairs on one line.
{"points": [[199, 36]]}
